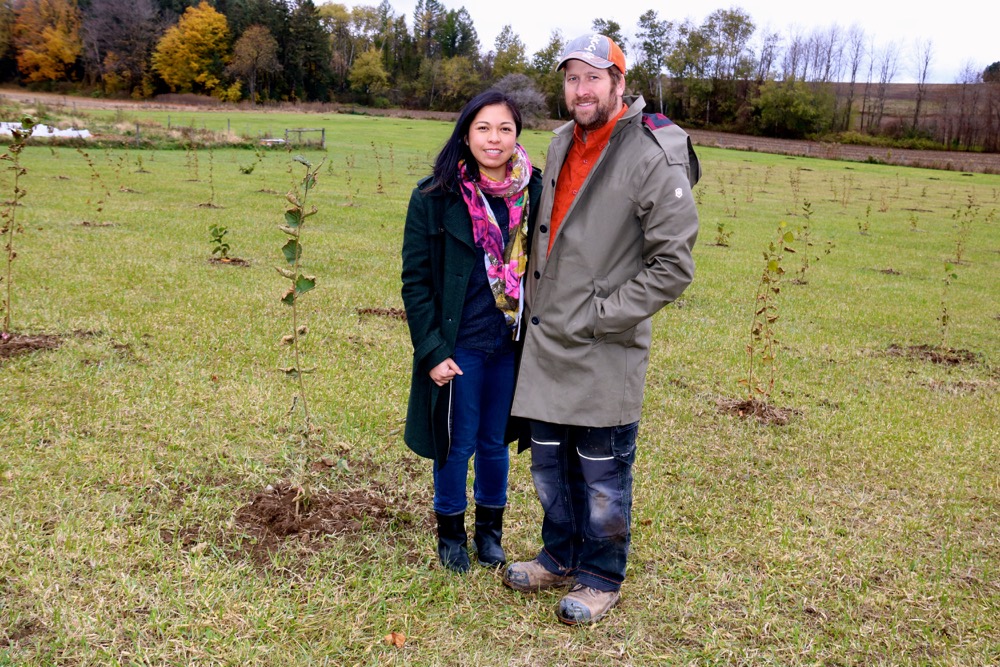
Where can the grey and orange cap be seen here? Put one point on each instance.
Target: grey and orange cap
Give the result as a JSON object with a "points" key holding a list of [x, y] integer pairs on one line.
{"points": [[596, 50]]}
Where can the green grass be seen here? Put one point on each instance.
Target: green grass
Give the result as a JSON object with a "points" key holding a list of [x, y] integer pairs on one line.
{"points": [[865, 532]]}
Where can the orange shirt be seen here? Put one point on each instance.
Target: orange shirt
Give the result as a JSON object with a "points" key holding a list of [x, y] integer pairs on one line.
{"points": [[582, 157]]}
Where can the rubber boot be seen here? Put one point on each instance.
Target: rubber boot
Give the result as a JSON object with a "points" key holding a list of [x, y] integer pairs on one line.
{"points": [[453, 542], [489, 530]]}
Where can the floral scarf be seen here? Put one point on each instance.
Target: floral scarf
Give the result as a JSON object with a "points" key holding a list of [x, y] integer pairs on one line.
{"points": [[505, 265]]}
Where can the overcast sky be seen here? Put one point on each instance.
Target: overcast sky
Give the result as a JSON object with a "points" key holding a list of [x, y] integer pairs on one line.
{"points": [[959, 33]]}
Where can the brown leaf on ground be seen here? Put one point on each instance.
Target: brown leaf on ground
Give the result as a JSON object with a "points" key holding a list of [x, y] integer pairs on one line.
{"points": [[396, 639]]}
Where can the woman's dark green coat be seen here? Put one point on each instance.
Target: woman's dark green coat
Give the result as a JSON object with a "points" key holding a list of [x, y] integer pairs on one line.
{"points": [[439, 254]]}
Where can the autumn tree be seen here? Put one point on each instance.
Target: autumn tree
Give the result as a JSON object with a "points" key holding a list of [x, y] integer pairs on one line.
{"points": [[47, 38], [510, 54], [6, 34], [254, 54], [192, 54], [459, 81], [612, 30], [653, 41], [992, 73], [336, 21], [118, 40], [529, 100], [922, 59], [728, 32], [543, 71], [688, 62], [855, 55], [368, 76]]}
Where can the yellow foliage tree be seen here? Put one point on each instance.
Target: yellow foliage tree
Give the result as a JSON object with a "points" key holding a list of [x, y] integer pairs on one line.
{"points": [[191, 56], [46, 38]]}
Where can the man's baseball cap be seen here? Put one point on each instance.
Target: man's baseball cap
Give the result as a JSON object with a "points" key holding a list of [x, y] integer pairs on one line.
{"points": [[595, 50]]}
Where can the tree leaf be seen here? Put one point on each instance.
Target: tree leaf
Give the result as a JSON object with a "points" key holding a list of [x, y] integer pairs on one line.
{"points": [[293, 217], [292, 251], [304, 283]]}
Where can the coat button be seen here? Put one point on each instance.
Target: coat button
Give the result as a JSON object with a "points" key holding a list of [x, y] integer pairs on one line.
{"points": [[538, 275], [543, 229], [534, 320]]}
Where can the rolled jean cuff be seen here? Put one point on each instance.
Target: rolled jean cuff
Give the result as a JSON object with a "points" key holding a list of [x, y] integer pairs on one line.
{"points": [[550, 564], [597, 581]]}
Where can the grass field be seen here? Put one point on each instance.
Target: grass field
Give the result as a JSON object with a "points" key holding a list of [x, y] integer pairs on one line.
{"points": [[147, 459]]}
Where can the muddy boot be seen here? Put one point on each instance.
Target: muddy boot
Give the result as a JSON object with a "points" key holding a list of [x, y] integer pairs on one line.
{"points": [[453, 542], [489, 530]]}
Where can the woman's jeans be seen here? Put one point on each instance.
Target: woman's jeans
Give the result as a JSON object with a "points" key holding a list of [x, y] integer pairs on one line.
{"points": [[583, 477], [481, 405]]}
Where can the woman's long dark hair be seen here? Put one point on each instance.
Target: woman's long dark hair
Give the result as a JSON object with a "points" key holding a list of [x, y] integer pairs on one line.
{"points": [[445, 175]]}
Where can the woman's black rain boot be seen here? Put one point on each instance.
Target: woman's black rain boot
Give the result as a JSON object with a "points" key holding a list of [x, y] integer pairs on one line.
{"points": [[489, 530], [453, 542]]}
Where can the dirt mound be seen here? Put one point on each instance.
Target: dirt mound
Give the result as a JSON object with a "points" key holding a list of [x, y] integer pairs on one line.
{"points": [[934, 353], [283, 511], [12, 345], [762, 411]]}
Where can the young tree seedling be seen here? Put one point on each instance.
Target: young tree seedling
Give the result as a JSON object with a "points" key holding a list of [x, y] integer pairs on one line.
{"points": [[866, 224], [103, 193], [379, 186], [762, 348], [219, 245], [9, 224], [299, 284], [944, 319], [722, 234], [965, 216]]}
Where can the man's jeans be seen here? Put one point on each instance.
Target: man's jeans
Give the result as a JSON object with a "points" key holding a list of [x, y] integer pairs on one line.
{"points": [[583, 477], [481, 405]]}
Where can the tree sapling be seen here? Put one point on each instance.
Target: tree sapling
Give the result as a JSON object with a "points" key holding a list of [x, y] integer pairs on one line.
{"points": [[299, 284], [762, 347], [9, 225]]}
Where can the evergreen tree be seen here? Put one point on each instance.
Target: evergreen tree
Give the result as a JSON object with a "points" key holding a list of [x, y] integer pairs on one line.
{"points": [[307, 54]]}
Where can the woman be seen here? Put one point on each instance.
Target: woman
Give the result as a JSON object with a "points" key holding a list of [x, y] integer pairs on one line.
{"points": [[465, 248]]}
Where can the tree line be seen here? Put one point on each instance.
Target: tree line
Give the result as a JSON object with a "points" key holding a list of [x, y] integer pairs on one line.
{"points": [[723, 73]]}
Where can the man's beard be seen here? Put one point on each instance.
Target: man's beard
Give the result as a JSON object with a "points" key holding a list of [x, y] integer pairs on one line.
{"points": [[602, 114]]}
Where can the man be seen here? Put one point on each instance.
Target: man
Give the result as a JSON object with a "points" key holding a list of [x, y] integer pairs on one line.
{"points": [[612, 245]]}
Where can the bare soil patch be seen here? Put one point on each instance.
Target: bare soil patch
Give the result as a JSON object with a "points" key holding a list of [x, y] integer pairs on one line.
{"points": [[936, 354], [229, 261], [12, 344], [285, 513], [762, 411]]}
